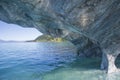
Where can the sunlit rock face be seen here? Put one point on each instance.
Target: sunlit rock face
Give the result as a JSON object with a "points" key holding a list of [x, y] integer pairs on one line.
{"points": [[92, 25]]}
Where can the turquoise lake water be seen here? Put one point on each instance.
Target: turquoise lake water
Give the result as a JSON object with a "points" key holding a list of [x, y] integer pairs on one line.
{"points": [[48, 61]]}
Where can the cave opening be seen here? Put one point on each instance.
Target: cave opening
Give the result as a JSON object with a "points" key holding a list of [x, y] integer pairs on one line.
{"points": [[117, 61], [12, 32]]}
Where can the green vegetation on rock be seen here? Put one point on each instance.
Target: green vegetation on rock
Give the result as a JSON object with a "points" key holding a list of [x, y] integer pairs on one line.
{"points": [[45, 38]]}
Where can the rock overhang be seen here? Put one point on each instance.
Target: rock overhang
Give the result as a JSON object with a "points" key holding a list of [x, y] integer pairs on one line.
{"points": [[91, 22]]}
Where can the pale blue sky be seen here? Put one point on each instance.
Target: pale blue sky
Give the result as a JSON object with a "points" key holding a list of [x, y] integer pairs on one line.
{"points": [[17, 33]]}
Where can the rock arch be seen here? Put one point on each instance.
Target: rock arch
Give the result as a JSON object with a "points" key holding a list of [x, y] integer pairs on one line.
{"points": [[97, 20]]}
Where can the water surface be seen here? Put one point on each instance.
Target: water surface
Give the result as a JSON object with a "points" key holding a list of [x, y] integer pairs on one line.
{"points": [[48, 61]]}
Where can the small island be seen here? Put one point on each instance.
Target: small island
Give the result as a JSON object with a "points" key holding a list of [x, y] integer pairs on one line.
{"points": [[47, 38]]}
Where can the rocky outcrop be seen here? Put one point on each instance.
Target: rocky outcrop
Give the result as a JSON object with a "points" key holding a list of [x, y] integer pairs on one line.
{"points": [[92, 25], [85, 47]]}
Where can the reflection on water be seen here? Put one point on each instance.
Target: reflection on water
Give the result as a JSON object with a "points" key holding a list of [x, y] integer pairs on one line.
{"points": [[48, 61], [82, 69]]}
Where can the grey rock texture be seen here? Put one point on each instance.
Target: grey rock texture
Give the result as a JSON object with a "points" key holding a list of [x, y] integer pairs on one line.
{"points": [[92, 25]]}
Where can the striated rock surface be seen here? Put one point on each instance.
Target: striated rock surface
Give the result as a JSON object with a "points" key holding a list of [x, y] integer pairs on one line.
{"points": [[92, 25]]}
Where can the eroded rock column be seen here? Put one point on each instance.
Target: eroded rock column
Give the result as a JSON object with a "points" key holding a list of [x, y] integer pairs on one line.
{"points": [[104, 63], [111, 63], [108, 63]]}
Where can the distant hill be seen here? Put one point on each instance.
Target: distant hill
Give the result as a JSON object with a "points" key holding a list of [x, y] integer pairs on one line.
{"points": [[10, 41], [2, 41], [46, 38]]}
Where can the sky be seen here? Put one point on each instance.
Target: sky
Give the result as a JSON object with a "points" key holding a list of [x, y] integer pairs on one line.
{"points": [[17, 33]]}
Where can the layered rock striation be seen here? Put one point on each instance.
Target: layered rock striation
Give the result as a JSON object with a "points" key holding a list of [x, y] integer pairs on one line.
{"points": [[92, 25]]}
